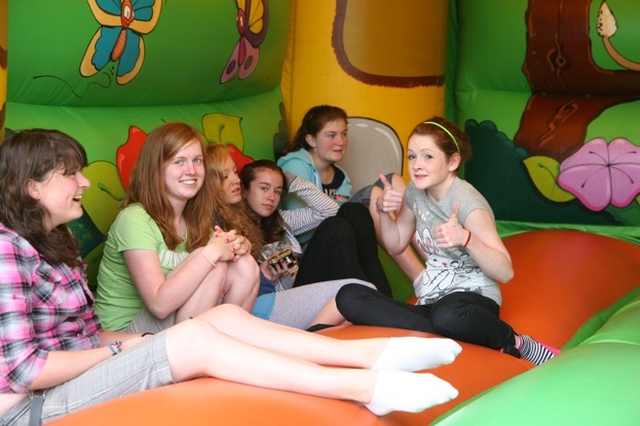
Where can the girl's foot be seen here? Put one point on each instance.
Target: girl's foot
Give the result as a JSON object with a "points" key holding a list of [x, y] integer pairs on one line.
{"points": [[534, 351], [411, 392], [417, 353]]}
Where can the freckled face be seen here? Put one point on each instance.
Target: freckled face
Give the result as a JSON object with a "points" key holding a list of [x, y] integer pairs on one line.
{"points": [[429, 168], [184, 173], [264, 192], [330, 144], [231, 182]]}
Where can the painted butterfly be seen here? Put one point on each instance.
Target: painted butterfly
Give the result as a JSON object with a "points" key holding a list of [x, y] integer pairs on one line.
{"points": [[119, 39], [252, 21]]}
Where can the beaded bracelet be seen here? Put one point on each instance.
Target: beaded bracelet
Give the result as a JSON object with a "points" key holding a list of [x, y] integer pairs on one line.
{"points": [[115, 347]]}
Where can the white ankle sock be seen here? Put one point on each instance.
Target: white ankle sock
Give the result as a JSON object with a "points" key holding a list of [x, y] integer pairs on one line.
{"points": [[411, 392], [417, 353]]}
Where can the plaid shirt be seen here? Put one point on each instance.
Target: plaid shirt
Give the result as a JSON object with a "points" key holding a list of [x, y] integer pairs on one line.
{"points": [[44, 306]]}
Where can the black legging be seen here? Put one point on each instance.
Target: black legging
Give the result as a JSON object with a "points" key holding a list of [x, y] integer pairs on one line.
{"points": [[464, 316], [344, 246]]}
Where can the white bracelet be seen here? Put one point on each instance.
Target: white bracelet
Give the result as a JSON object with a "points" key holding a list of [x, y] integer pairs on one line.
{"points": [[207, 259]]}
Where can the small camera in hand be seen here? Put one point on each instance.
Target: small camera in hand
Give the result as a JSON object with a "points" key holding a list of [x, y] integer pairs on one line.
{"points": [[287, 257]]}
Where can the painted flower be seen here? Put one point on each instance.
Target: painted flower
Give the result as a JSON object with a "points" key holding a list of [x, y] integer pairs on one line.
{"points": [[599, 174], [127, 154]]}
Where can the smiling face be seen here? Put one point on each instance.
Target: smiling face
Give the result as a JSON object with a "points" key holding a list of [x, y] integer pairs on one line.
{"points": [[231, 182], [264, 192], [184, 173], [330, 143], [59, 195], [429, 167]]}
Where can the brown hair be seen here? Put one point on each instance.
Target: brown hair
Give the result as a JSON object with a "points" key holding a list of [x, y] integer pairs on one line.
{"points": [[272, 227], [312, 123], [227, 216], [147, 186], [31, 155], [444, 140]]}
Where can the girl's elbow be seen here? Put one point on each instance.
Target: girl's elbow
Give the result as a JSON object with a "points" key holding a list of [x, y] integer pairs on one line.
{"points": [[159, 312], [395, 250], [507, 276]]}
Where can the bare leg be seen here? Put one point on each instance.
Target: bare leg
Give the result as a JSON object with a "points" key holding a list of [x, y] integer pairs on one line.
{"points": [[242, 282], [207, 295], [329, 314], [215, 354], [409, 353], [228, 282]]}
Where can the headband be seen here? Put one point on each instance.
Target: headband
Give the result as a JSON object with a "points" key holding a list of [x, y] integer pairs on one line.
{"points": [[446, 131]]}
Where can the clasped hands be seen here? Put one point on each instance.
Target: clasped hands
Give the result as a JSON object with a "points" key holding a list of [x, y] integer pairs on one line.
{"points": [[229, 245]]}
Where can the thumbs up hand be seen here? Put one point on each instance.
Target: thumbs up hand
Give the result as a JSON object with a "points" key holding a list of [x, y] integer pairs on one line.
{"points": [[390, 200], [451, 233]]}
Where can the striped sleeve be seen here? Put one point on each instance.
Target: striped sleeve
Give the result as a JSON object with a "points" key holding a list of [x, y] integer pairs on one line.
{"points": [[319, 206]]}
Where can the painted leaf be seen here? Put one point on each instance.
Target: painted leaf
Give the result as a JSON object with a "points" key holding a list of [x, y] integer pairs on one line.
{"points": [[544, 172], [223, 129], [104, 197]]}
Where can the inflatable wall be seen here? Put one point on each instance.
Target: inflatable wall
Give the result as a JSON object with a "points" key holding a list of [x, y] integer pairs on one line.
{"points": [[383, 62], [108, 72], [549, 92]]}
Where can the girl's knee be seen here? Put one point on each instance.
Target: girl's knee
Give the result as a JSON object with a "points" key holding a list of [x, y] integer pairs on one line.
{"points": [[191, 331], [220, 269], [353, 211], [350, 294], [190, 346], [444, 319], [335, 226], [228, 310], [246, 267]]}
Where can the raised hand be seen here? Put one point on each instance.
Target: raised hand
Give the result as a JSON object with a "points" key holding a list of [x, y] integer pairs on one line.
{"points": [[390, 200], [451, 233]]}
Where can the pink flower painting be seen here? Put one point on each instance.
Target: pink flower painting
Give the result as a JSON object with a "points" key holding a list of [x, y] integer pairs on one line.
{"points": [[599, 174]]}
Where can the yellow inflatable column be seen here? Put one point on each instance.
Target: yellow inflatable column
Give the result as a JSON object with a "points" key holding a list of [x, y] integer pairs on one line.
{"points": [[4, 12], [377, 59]]}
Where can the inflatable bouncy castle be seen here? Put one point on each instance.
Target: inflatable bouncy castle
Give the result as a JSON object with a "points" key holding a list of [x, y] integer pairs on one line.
{"points": [[547, 90]]}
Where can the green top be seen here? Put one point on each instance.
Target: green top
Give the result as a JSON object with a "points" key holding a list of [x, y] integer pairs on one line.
{"points": [[117, 299]]}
